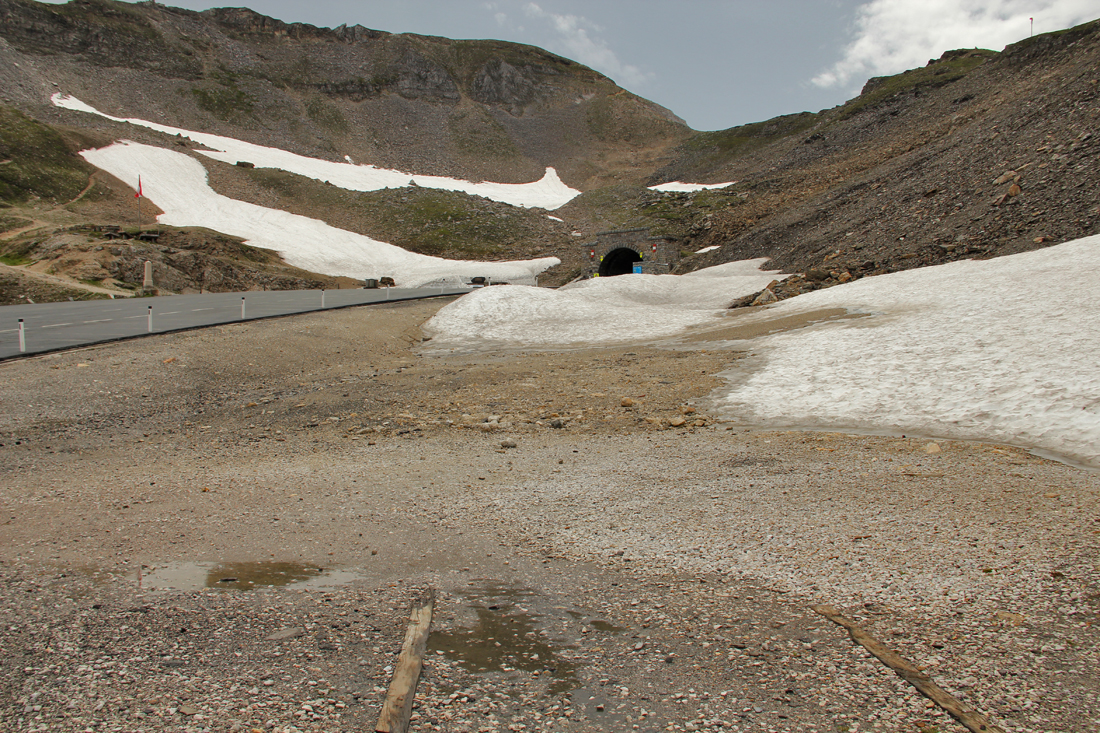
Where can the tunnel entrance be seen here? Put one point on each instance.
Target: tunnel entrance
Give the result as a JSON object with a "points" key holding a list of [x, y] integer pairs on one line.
{"points": [[619, 262]]}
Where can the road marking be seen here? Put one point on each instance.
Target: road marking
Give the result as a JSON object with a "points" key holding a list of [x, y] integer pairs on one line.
{"points": [[57, 325], [196, 310], [101, 320], [169, 313]]}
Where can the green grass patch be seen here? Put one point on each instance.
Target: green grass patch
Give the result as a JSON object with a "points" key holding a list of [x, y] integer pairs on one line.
{"points": [[326, 115], [15, 260], [951, 67], [228, 104], [448, 223], [223, 98], [36, 162], [11, 223]]}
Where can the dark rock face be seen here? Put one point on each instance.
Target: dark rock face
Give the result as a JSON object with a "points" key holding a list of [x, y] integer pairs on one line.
{"points": [[99, 32], [501, 84], [421, 78]]}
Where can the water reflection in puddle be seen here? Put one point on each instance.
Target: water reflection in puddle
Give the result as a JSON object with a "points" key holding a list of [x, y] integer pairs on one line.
{"points": [[241, 576], [516, 629]]}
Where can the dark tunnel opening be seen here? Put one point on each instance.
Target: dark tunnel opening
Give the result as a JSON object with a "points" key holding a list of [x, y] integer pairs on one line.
{"points": [[619, 262]]}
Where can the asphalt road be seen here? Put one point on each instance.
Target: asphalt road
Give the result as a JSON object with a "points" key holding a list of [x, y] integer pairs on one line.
{"points": [[53, 326]]}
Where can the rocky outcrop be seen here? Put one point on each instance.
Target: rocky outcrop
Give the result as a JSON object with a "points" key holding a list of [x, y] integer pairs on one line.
{"points": [[500, 84], [420, 78], [98, 32]]}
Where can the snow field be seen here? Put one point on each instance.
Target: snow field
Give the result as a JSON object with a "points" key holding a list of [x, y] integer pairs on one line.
{"points": [[177, 183], [548, 193], [1005, 350], [678, 187], [600, 310]]}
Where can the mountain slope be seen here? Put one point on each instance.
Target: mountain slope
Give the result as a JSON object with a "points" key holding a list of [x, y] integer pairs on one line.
{"points": [[471, 109], [977, 154]]}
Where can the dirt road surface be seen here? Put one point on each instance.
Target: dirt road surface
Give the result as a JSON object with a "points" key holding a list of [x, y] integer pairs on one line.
{"points": [[222, 530]]}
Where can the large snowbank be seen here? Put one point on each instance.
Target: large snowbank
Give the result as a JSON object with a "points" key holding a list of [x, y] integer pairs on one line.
{"points": [[177, 183], [600, 310], [547, 193], [1006, 349]]}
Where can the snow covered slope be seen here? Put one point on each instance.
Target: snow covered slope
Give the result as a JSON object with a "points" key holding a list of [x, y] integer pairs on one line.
{"points": [[547, 193], [596, 311], [1006, 350], [177, 183]]}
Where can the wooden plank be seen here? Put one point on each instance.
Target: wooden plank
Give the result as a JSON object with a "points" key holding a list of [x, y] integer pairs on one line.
{"points": [[397, 708], [904, 669]]}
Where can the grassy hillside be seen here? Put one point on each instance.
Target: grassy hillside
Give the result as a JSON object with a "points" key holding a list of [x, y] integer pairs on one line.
{"points": [[35, 162]]}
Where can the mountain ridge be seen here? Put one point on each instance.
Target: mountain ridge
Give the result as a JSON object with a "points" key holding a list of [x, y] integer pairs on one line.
{"points": [[901, 176]]}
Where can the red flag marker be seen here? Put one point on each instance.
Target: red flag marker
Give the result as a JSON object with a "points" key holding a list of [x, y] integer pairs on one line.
{"points": [[138, 194]]}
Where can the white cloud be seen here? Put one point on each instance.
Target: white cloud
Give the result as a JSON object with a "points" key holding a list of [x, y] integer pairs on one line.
{"points": [[579, 40], [894, 35]]}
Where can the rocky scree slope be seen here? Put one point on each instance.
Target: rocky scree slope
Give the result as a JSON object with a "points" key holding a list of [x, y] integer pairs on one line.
{"points": [[978, 154], [481, 110]]}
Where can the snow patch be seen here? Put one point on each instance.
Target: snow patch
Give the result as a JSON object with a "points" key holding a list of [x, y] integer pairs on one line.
{"points": [[1004, 350], [678, 187], [596, 311], [177, 183], [547, 193]]}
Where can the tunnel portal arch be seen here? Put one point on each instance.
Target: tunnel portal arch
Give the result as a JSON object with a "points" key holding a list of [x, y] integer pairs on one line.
{"points": [[619, 262], [626, 251]]}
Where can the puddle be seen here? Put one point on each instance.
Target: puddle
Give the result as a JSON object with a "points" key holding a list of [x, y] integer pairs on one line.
{"points": [[241, 576], [517, 629], [505, 637]]}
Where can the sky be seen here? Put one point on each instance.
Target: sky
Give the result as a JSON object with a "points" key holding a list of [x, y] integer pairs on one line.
{"points": [[715, 63]]}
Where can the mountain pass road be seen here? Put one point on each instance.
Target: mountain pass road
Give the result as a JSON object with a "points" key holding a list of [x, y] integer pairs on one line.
{"points": [[53, 326]]}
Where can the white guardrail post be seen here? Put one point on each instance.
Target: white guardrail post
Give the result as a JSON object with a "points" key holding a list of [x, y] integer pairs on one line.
{"points": [[22, 338], [242, 307], [322, 297], [150, 323]]}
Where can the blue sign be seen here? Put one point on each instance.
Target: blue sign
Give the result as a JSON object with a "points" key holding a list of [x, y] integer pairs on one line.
{"points": [[637, 268]]}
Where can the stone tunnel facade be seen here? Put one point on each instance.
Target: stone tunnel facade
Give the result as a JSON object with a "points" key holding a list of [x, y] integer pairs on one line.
{"points": [[627, 251]]}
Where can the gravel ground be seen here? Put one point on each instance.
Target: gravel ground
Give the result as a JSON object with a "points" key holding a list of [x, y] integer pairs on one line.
{"points": [[223, 530]]}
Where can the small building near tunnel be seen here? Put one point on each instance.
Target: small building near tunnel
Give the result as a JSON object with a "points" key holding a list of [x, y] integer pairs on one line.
{"points": [[628, 251]]}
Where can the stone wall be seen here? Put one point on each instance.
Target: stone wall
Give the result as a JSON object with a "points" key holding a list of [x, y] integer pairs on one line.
{"points": [[657, 254]]}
